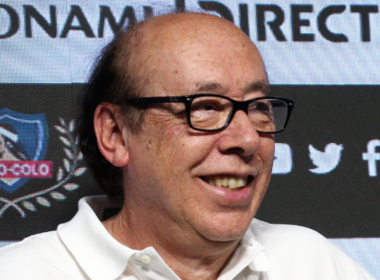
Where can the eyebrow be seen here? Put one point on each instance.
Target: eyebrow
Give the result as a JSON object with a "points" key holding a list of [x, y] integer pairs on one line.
{"points": [[205, 87], [262, 86]]}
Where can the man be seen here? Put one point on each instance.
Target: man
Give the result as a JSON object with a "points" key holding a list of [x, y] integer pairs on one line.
{"points": [[183, 126]]}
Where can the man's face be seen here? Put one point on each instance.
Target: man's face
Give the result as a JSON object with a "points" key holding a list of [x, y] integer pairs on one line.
{"points": [[171, 165]]}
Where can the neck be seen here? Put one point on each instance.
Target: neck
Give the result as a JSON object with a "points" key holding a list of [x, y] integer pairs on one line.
{"points": [[188, 254]]}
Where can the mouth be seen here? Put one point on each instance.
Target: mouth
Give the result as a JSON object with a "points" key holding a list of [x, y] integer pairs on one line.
{"points": [[228, 182]]}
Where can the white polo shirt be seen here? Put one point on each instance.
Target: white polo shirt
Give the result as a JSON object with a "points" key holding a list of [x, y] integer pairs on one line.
{"points": [[83, 249]]}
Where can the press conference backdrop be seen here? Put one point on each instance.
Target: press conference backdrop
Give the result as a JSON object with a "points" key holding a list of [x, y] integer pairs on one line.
{"points": [[322, 54]]}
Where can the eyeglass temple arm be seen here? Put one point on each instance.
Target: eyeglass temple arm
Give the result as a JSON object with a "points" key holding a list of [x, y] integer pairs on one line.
{"points": [[153, 100]]}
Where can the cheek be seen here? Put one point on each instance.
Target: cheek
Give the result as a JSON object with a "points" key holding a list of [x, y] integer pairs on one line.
{"points": [[169, 147], [266, 152], [172, 134]]}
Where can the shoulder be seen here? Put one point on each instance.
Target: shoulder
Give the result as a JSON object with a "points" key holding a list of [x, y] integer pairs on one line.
{"points": [[294, 248], [293, 241], [25, 248], [41, 256], [284, 235]]}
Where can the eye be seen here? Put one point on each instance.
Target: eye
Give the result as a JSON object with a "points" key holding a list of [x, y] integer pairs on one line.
{"points": [[263, 107], [209, 112], [207, 105]]}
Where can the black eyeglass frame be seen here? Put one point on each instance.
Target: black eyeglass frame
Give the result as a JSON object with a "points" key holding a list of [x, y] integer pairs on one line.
{"points": [[187, 100]]}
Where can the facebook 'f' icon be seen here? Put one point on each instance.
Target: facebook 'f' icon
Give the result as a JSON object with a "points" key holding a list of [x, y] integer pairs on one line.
{"points": [[372, 156]]}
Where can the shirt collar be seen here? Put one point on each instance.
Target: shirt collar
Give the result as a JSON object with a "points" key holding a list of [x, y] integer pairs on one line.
{"points": [[259, 261], [103, 258], [249, 253], [97, 252]]}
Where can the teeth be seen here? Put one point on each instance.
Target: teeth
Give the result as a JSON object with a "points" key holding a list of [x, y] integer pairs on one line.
{"points": [[218, 181], [228, 182], [225, 182], [232, 183], [211, 181]]}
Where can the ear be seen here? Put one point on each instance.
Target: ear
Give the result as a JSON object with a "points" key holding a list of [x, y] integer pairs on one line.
{"points": [[109, 128]]}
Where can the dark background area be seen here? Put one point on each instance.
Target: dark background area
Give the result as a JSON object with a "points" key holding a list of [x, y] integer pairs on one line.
{"points": [[55, 101], [346, 201], [342, 203]]}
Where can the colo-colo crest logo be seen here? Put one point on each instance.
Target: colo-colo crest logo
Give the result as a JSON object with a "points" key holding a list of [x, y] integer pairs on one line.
{"points": [[23, 146]]}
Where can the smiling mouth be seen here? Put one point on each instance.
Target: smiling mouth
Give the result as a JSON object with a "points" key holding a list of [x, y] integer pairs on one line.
{"points": [[228, 182]]}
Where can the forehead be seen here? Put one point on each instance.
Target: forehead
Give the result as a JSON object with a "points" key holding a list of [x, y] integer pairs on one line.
{"points": [[181, 55]]}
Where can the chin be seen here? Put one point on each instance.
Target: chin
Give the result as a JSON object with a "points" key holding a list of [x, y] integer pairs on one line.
{"points": [[225, 235], [225, 231]]}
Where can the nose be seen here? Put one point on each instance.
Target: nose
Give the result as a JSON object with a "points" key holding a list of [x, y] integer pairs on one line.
{"points": [[240, 136]]}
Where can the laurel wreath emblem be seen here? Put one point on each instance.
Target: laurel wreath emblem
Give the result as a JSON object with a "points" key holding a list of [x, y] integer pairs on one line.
{"points": [[68, 170]]}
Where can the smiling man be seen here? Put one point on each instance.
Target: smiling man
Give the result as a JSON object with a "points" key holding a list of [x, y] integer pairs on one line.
{"points": [[177, 123]]}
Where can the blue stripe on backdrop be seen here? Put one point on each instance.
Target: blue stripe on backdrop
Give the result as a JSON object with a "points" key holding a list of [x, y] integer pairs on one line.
{"points": [[5, 243], [365, 251], [311, 54]]}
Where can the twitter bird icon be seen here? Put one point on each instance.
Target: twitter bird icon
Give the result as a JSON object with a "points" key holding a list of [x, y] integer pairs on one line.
{"points": [[325, 161]]}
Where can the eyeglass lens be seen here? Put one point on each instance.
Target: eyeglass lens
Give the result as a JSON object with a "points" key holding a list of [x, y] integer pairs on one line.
{"points": [[212, 112]]}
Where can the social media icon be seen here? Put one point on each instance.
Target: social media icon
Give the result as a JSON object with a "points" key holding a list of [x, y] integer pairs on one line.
{"points": [[326, 161], [372, 156], [283, 162]]}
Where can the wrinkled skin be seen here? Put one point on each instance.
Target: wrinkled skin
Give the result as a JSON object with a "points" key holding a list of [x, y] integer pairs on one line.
{"points": [[167, 204]]}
